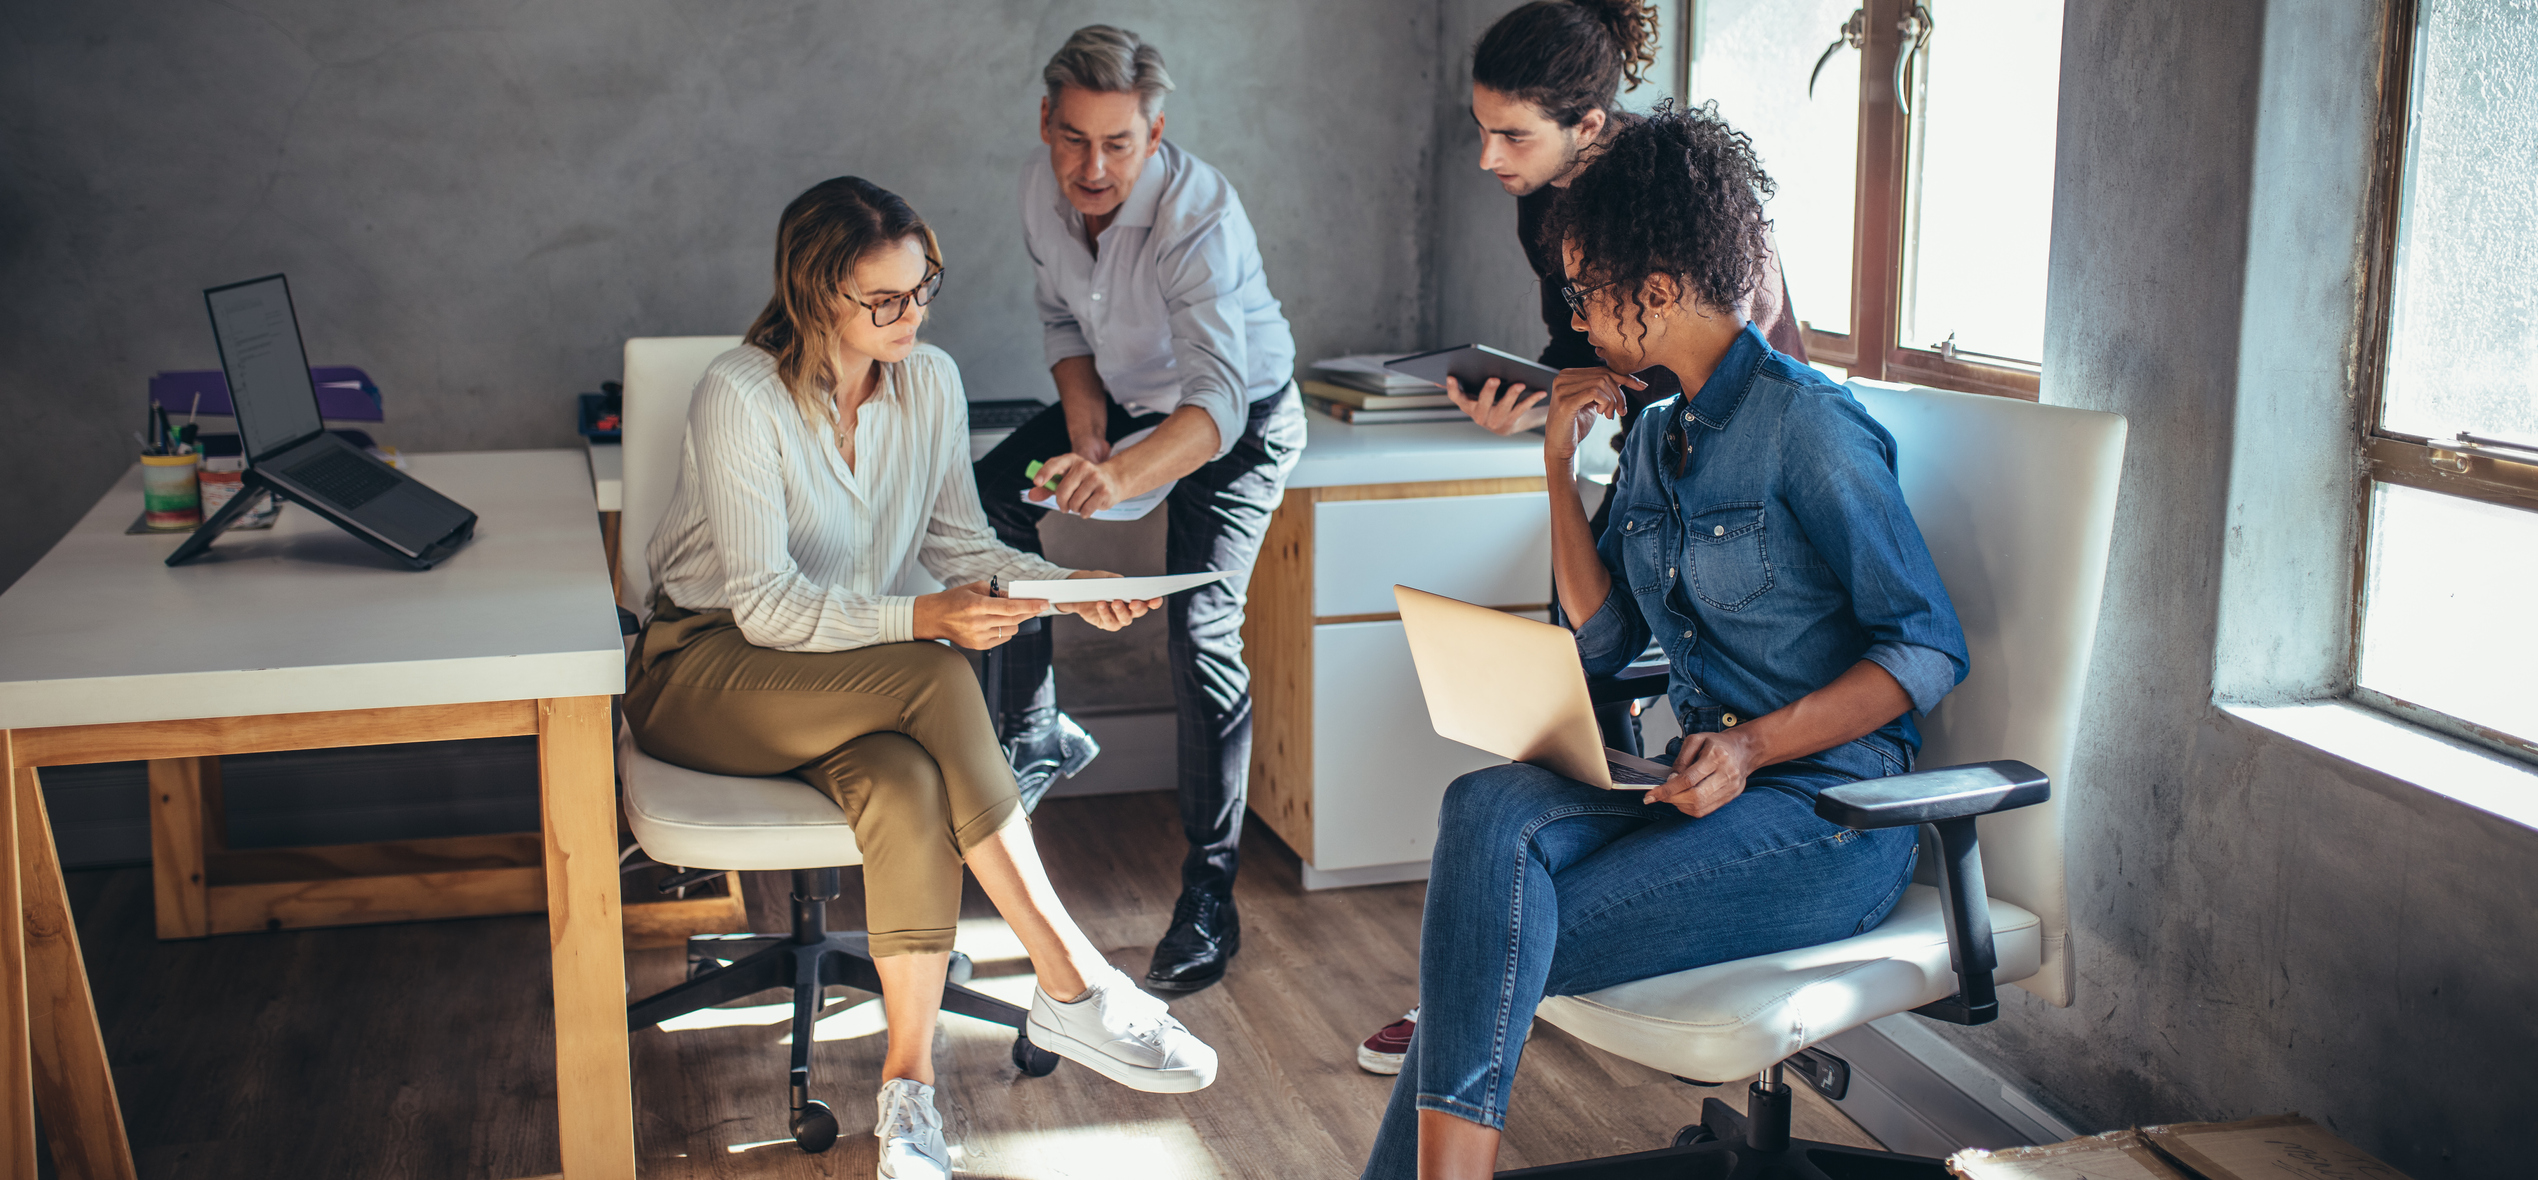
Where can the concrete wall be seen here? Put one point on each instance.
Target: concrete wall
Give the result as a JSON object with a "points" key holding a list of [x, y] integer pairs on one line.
{"points": [[2258, 927], [478, 202]]}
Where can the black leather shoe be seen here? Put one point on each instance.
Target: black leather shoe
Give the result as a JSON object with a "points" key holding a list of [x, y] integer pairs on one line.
{"points": [[1201, 944], [1057, 750]]}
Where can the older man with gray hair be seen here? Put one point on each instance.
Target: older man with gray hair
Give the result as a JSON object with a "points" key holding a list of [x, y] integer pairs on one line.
{"points": [[1157, 321]]}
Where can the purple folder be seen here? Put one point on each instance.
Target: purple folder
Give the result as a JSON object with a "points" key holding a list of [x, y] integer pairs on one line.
{"points": [[344, 393]]}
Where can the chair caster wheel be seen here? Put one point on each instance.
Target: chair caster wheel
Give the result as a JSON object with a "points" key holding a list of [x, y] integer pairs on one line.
{"points": [[961, 969], [1694, 1134], [815, 1127], [1032, 1060]]}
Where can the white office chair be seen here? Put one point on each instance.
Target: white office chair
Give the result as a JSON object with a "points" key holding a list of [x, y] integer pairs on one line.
{"points": [[709, 823], [2017, 502]]}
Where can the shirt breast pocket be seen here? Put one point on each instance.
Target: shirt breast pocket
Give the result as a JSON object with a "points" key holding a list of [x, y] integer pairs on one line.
{"points": [[1730, 555], [1644, 547]]}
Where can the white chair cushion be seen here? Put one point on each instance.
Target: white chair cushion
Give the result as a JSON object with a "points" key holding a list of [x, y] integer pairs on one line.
{"points": [[1733, 1020], [710, 821]]}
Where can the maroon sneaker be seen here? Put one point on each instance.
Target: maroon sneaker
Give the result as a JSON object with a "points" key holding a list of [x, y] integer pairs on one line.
{"points": [[1382, 1052]]}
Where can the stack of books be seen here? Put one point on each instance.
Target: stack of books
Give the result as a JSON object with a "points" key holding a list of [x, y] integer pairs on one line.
{"points": [[1359, 390]]}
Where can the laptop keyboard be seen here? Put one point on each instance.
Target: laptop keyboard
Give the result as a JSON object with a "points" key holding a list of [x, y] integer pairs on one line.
{"points": [[342, 478], [1631, 775]]}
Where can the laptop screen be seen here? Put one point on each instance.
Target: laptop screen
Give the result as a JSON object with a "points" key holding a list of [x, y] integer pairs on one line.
{"points": [[269, 386]]}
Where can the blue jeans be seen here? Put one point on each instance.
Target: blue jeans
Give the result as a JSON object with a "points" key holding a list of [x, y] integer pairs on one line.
{"points": [[1542, 885]]}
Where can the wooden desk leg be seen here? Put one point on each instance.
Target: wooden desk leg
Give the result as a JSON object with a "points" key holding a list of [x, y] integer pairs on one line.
{"points": [[594, 1086], [17, 1060], [610, 523], [72, 1082], [185, 829]]}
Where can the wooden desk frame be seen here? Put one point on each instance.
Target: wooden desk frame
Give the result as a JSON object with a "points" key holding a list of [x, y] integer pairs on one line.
{"points": [[52, 1052]]}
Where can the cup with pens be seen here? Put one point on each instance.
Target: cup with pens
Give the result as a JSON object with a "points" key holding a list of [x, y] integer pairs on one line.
{"points": [[171, 492]]}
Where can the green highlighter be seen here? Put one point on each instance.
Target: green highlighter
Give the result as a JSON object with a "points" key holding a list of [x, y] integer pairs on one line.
{"points": [[1032, 473]]}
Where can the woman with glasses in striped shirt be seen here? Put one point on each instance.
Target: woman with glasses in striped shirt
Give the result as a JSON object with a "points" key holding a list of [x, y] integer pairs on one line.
{"points": [[824, 474]]}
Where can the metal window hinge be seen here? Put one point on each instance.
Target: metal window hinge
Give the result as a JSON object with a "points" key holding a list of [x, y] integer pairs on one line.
{"points": [[2452, 455]]}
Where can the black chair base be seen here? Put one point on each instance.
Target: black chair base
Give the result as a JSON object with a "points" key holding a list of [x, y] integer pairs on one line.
{"points": [[1722, 1146], [727, 967]]}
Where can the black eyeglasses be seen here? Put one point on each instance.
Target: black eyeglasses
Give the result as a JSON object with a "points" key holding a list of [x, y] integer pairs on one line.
{"points": [[1577, 298], [892, 310]]}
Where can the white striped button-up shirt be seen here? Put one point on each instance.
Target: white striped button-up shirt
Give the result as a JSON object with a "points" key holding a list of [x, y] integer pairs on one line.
{"points": [[809, 555]]}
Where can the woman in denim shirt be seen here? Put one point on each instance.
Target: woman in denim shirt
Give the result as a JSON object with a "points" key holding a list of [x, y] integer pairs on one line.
{"points": [[1757, 535]]}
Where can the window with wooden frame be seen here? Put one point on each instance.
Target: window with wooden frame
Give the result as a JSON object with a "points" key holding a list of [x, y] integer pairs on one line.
{"points": [[1912, 144], [2446, 614]]}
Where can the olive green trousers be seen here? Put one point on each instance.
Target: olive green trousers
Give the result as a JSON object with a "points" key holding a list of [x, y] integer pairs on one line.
{"points": [[898, 734]]}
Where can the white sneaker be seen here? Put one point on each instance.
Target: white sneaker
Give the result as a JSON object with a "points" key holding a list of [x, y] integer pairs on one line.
{"points": [[911, 1133], [1123, 1034]]}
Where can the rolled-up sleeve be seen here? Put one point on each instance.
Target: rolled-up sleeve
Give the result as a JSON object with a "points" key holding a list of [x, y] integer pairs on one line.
{"points": [[1842, 489], [1203, 279]]}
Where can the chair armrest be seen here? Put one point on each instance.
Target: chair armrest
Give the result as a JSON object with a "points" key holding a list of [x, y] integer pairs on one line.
{"points": [[1928, 796], [1948, 799]]}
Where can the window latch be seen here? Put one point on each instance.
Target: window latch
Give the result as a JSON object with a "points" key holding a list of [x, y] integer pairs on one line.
{"points": [[1915, 27], [1854, 33]]}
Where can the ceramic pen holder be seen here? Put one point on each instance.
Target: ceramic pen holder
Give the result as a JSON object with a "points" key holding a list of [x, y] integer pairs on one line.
{"points": [[171, 498]]}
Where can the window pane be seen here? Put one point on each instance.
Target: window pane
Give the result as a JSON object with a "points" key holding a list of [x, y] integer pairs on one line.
{"points": [[1981, 178], [1752, 58], [2448, 623], [2463, 344]]}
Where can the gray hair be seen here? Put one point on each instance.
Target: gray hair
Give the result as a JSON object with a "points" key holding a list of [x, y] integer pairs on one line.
{"points": [[1107, 60]]}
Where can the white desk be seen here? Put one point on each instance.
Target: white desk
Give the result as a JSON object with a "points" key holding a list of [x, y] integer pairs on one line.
{"points": [[299, 638], [1346, 767], [607, 472]]}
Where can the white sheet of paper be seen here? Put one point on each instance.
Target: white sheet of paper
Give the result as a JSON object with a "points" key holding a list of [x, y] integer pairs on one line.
{"points": [[1109, 589], [1125, 509]]}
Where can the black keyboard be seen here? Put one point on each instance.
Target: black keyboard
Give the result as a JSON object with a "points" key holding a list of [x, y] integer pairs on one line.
{"points": [[342, 478], [1003, 415], [1631, 775]]}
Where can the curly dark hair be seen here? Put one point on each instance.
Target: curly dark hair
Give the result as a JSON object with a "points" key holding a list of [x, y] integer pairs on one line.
{"points": [[1568, 57], [1677, 193]]}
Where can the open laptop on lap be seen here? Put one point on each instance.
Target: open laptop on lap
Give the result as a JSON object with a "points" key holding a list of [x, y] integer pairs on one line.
{"points": [[289, 452], [1506, 684]]}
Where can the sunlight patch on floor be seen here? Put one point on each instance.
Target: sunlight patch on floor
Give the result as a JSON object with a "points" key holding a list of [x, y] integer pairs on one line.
{"points": [[1152, 1147], [862, 1019], [991, 945]]}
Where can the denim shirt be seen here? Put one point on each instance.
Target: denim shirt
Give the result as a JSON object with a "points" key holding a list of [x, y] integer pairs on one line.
{"points": [[1782, 556]]}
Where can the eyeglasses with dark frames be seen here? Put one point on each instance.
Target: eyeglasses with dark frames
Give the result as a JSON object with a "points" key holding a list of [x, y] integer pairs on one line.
{"points": [[892, 310], [1577, 297]]}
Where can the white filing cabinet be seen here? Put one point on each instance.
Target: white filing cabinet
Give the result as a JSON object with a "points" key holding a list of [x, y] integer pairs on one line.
{"points": [[1345, 764]]}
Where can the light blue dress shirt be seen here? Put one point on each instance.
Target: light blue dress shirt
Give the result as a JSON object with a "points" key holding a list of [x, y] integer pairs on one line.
{"points": [[1175, 310]]}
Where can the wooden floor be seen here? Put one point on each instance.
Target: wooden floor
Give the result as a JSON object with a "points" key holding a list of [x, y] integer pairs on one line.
{"points": [[423, 1050]]}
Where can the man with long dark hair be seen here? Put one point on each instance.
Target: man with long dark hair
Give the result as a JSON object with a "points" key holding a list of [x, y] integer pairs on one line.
{"points": [[1157, 321], [1546, 92]]}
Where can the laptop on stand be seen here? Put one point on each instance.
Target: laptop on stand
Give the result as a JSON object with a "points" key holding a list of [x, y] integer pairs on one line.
{"points": [[290, 455], [1513, 687]]}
